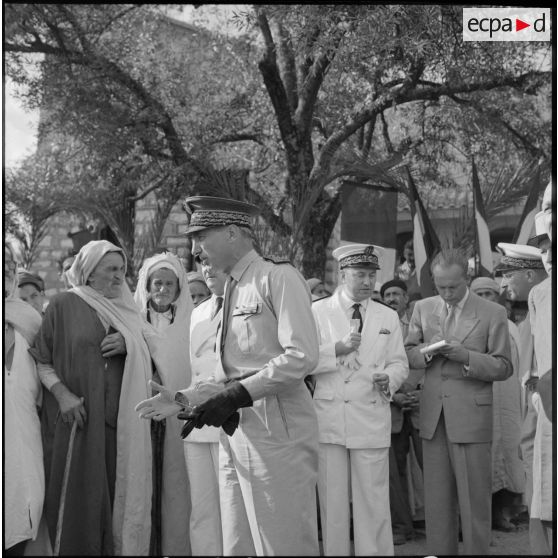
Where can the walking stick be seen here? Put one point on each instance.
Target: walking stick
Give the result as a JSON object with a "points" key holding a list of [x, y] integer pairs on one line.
{"points": [[64, 489]]}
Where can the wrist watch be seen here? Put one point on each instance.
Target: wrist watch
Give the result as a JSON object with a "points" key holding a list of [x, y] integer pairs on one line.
{"points": [[466, 370], [181, 399]]}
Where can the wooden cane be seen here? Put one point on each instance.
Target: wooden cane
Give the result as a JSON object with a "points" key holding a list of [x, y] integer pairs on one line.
{"points": [[64, 489]]}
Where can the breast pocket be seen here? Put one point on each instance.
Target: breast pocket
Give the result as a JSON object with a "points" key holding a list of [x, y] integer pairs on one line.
{"points": [[245, 318]]}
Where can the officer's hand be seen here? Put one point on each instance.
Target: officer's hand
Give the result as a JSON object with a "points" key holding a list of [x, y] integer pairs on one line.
{"points": [[348, 344], [113, 344], [456, 352], [200, 392], [219, 407]]}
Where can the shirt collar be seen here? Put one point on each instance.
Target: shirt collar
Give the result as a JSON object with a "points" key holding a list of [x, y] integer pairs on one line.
{"points": [[405, 318], [348, 302], [461, 303], [241, 265]]}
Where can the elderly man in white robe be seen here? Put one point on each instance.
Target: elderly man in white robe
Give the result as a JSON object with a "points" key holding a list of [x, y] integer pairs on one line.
{"points": [[164, 299], [362, 364]]}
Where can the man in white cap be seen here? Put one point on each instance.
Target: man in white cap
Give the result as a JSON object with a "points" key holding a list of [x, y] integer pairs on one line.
{"points": [[266, 345], [362, 363], [540, 313], [456, 403], [522, 269], [508, 474]]}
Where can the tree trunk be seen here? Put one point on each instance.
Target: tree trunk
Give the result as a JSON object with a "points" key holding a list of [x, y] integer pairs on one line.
{"points": [[316, 234]]}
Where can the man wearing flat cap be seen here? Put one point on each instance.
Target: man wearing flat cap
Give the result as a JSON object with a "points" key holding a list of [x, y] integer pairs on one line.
{"points": [[540, 314], [31, 289], [266, 345], [362, 363], [521, 268], [404, 422], [456, 403]]}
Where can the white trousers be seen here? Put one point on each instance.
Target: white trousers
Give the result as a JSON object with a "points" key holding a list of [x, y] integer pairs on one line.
{"points": [[364, 474], [202, 464]]}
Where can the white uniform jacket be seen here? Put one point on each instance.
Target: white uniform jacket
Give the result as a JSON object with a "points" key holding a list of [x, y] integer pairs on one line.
{"points": [[351, 411], [203, 358]]}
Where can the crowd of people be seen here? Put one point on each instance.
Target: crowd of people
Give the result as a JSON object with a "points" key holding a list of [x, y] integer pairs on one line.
{"points": [[242, 410]]}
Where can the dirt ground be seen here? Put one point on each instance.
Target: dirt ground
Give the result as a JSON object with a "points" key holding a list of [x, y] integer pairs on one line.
{"points": [[503, 544]]}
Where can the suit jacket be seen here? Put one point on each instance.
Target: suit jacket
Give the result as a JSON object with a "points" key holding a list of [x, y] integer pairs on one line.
{"points": [[482, 328], [351, 411], [203, 358]]}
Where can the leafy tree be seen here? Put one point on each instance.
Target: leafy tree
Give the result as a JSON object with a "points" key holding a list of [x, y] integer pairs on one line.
{"points": [[346, 71], [352, 89]]}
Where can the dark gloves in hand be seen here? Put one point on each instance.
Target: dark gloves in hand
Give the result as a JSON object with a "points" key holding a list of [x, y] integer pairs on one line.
{"points": [[219, 410], [229, 426], [219, 407]]}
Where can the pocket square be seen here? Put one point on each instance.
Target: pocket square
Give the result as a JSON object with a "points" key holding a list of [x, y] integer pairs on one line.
{"points": [[384, 331]]}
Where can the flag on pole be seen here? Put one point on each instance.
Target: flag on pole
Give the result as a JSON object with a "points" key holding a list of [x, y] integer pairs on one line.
{"points": [[483, 249], [526, 225], [425, 240]]}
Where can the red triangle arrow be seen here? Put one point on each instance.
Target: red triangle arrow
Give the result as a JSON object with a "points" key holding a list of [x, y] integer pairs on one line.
{"points": [[519, 25]]}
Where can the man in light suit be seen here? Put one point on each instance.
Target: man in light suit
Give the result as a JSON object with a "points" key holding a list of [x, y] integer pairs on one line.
{"points": [[201, 447], [362, 363], [456, 404]]}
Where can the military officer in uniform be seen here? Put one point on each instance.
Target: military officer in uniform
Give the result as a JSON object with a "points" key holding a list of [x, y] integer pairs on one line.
{"points": [[362, 363], [266, 345]]}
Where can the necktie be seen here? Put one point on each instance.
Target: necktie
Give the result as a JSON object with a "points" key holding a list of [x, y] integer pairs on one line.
{"points": [[357, 315], [229, 286], [449, 323], [217, 306]]}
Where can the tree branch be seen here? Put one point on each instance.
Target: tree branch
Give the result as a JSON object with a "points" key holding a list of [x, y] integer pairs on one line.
{"points": [[238, 137], [276, 90], [369, 136], [311, 86], [273, 220], [385, 134], [289, 66]]}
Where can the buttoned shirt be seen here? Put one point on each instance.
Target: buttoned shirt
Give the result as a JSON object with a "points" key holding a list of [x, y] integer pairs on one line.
{"points": [[271, 338], [348, 304], [458, 307]]}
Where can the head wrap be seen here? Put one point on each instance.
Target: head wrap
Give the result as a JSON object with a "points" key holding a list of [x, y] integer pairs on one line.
{"points": [[481, 283], [88, 258], [313, 282], [26, 278], [195, 276], [166, 260]]}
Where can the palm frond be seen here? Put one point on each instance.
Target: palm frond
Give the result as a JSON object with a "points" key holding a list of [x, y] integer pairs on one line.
{"points": [[225, 182], [509, 187], [349, 162]]}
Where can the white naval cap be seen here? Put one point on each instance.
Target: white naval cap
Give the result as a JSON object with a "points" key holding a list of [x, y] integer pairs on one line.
{"points": [[518, 256], [357, 255]]}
